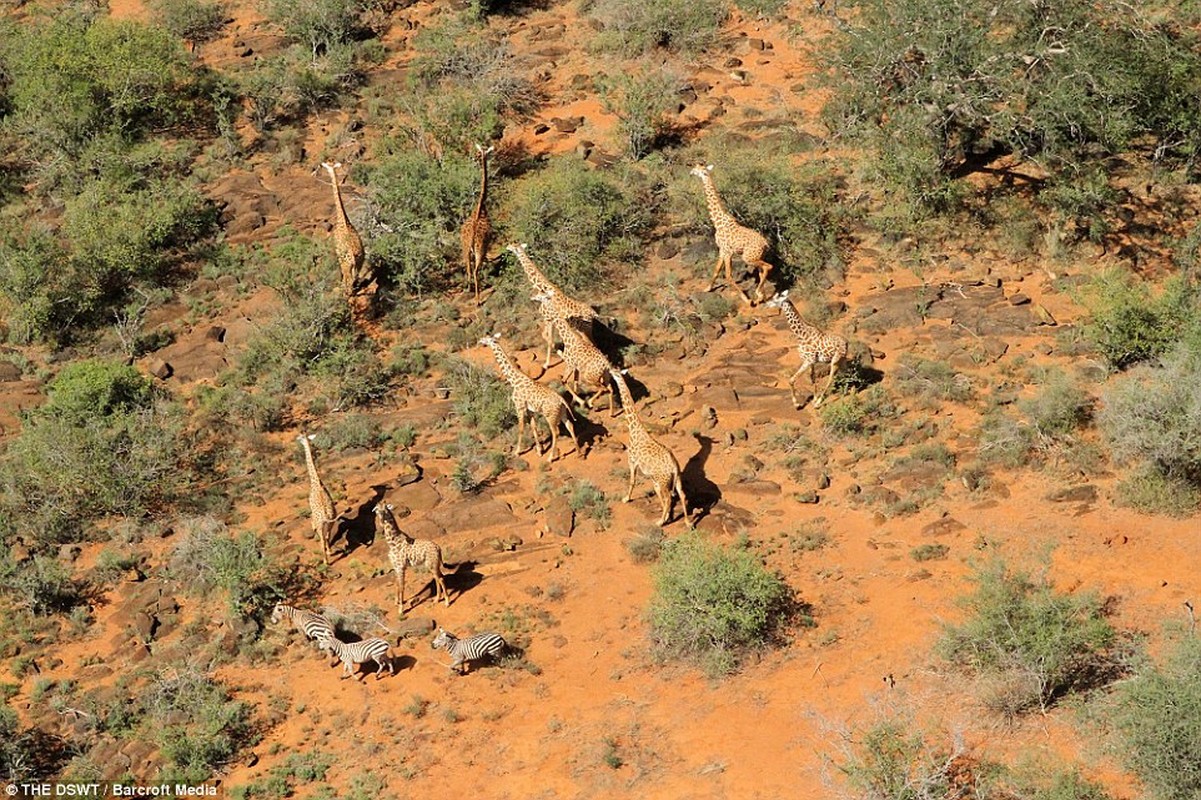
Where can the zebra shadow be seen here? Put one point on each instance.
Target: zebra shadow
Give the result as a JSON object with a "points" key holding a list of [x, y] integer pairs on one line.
{"points": [[703, 494]]}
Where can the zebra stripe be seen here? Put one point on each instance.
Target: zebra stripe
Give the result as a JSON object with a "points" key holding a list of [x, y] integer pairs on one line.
{"points": [[354, 653], [470, 649], [311, 624]]}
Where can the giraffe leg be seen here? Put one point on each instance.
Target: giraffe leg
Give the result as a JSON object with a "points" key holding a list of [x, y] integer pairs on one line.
{"points": [[440, 586], [665, 498], [548, 333], [553, 453], [571, 429], [400, 590], [834, 365], [679, 487], [721, 256], [764, 269], [325, 533], [475, 277], [730, 277], [521, 429], [630, 490], [808, 365]]}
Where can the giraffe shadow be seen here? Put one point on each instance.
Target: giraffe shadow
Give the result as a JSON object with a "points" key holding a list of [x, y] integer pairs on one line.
{"points": [[703, 494], [612, 343], [587, 431], [356, 528], [460, 580]]}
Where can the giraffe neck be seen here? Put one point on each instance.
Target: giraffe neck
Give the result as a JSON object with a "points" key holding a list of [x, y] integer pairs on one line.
{"points": [[393, 535], [314, 478], [633, 423], [539, 281], [507, 367], [717, 211], [795, 322], [479, 204], [340, 218]]}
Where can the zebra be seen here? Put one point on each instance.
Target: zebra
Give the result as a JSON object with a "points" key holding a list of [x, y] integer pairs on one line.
{"points": [[354, 653], [472, 648], [311, 624]]}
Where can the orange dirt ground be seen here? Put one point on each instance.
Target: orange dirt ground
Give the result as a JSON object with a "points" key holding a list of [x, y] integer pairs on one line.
{"points": [[769, 731]]}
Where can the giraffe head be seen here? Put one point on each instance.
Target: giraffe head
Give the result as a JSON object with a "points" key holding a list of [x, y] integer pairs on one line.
{"points": [[541, 297], [306, 437], [517, 249], [702, 171], [333, 168], [487, 341], [779, 300], [484, 153]]}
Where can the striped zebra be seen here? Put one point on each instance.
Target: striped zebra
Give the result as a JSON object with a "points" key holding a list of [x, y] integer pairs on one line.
{"points": [[472, 648], [311, 624], [351, 654]]}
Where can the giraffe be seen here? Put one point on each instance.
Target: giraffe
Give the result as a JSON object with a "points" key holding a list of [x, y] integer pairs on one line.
{"points": [[405, 551], [732, 239], [654, 459], [321, 504], [814, 346], [356, 277], [583, 362], [477, 230], [582, 316], [532, 397]]}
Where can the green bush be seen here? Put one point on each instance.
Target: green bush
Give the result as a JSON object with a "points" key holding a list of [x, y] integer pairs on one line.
{"points": [[481, 400], [892, 760], [932, 381], [940, 86], [77, 78], [857, 414], [86, 390], [289, 85], [794, 206], [642, 102], [1129, 325], [1049, 423], [209, 558], [687, 26], [198, 726], [44, 585], [193, 20], [319, 25], [713, 605], [100, 429], [420, 202], [1040, 642], [310, 349], [462, 55], [1157, 716], [1152, 417], [580, 222], [112, 235]]}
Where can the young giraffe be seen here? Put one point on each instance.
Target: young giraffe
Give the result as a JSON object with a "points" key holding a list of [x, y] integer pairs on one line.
{"points": [[477, 230], [347, 242], [405, 551], [583, 362], [582, 316], [532, 397], [814, 346], [732, 239], [321, 504], [651, 457]]}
